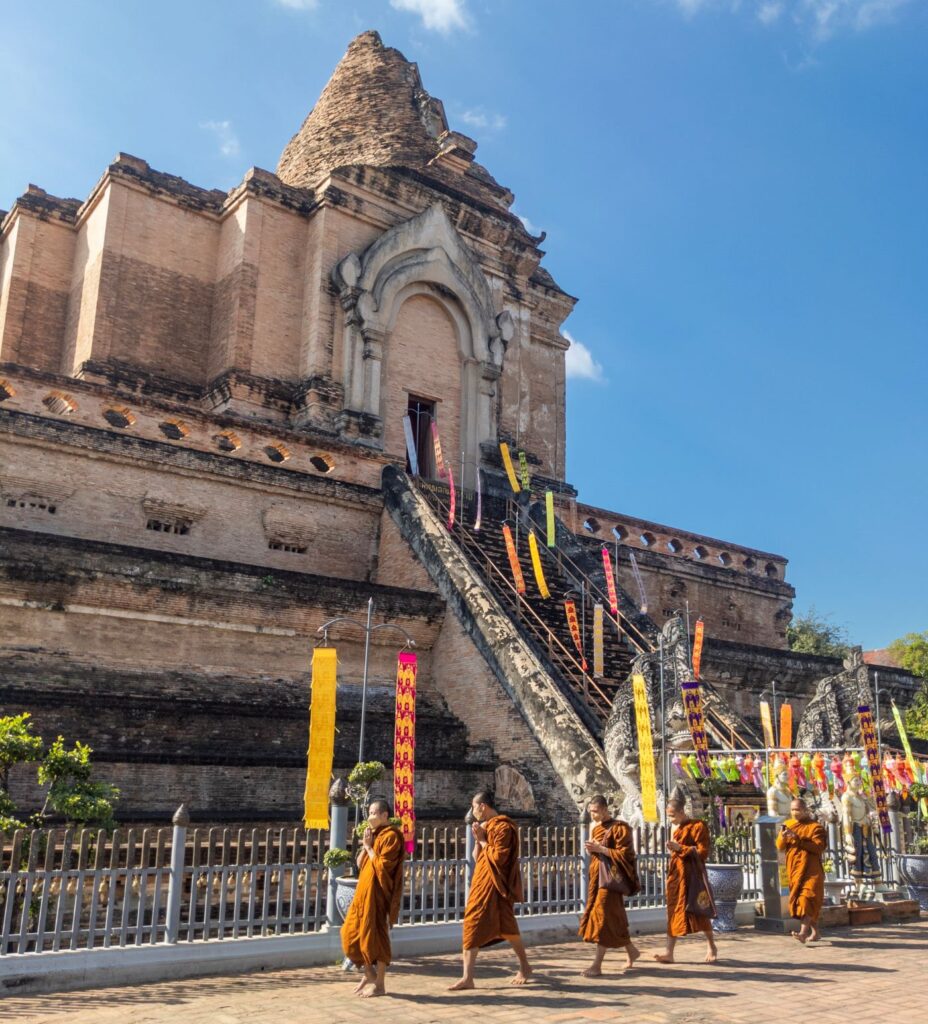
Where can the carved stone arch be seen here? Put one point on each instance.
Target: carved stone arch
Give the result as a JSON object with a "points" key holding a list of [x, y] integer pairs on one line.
{"points": [[424, 255]]}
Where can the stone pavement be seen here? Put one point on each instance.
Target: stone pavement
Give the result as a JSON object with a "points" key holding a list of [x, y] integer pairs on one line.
{"points": [[863, 976]]}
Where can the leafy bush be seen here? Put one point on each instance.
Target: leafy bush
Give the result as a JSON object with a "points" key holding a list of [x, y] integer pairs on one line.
{"points": [[336, 857]]}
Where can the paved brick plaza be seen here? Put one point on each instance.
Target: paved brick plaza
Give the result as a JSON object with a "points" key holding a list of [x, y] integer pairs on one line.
{"points": [[863, 976]]}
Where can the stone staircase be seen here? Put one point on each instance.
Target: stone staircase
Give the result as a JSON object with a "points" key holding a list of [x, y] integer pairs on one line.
{"points": [[542, 621]]}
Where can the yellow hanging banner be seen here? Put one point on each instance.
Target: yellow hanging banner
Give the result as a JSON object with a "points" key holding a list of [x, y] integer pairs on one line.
{"points": [[767, 722], [786, 726], [510, 469], [598, 654], [321, 740], [517, 576], [645, 750], [549, 512], [536, 565]]}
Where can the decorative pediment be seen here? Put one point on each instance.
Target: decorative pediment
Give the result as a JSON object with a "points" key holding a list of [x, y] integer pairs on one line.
{"points": [[425, 250]]}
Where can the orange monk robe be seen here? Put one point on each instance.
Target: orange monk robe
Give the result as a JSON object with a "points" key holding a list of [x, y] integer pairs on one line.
{"points": [[604, 920], [495, 887], [376, 903], [693, 836], [804, 867]]}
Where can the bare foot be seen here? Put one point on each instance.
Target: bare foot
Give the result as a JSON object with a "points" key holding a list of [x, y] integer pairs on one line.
{"points": [[375, 991], [815, 936], [592, 973], [799, 937], [663, 958], [521, 978], [632, 953], [712, 956], [364, 981], [459, 986]]}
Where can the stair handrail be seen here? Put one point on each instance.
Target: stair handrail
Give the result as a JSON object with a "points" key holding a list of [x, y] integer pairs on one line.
{"points": [[587, 682], [637, 638]]}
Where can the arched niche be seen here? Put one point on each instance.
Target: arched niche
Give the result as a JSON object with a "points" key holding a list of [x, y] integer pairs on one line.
{"points": [[421, 256]]}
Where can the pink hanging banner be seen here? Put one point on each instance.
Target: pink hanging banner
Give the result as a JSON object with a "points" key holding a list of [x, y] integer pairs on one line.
{"points": [[404, 747], [610, 583], [479, 502], [451, 499], [436, 444]]}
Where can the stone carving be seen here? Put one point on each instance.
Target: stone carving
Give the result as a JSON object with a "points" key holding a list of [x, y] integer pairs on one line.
{"points": [[620, 738], [830, 717]]}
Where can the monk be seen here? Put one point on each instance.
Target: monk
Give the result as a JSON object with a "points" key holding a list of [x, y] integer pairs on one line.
{"points": [[376, 903], [604, 920], [804, 841], [495, 888], [690, 839]]}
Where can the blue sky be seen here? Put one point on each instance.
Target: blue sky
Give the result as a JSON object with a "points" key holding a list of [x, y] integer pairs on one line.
{"points": [[735, 189]]}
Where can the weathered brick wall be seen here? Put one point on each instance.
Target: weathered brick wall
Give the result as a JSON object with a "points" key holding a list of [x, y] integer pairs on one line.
{"points": [[475, 695], [35, 278]]}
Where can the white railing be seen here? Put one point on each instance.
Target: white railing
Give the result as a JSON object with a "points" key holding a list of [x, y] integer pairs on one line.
{"points": [[64, 889]]}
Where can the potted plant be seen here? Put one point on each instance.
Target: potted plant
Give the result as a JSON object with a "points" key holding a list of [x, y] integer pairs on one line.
{"points": [[361, 779]]}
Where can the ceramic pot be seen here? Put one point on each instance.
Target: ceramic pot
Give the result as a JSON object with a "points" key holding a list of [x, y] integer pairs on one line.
{"points": [[727, 881], [913, 870], [344, 894]]}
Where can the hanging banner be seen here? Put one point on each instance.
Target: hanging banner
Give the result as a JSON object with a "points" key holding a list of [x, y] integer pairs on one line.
{"points": [[868, 738], [404, 747], [411, 446], [570, 609], [697, 647], [786, 726], [692, 707], [479, 502], [598, 654], [610, 584], [536, 565], [766, 722], [321, 740], [525, 479], [549, 515], [645, 749], [436, 444], [517, 576], [643, 604], [507, 464], [904, 736], [451, 498]]}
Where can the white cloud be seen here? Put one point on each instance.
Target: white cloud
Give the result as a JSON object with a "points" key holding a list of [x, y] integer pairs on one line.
{"points": [[823, 18], [580, 363], [437, 15], [298, 5], [479, 118], [225, 136], [530, 227]]}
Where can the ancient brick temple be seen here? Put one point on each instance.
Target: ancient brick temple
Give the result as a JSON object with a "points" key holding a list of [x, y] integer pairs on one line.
{"points": [[203, 457]]}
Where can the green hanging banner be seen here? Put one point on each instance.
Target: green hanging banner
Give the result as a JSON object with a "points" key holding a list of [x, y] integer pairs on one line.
{"points": [[549, 509]]}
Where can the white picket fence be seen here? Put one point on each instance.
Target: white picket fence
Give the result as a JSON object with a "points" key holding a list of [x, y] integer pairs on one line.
{"points": [[64, 889]]}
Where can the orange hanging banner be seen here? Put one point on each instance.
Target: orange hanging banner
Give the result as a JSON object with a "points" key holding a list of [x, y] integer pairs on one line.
{"points": [[610, 584], [697, 647], [517, 576], [404, 747], [570, 609], [451, 499], [786, 726]]}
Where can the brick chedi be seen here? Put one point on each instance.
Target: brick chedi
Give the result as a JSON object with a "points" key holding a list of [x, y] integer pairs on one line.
{"points": [[202, 396]]}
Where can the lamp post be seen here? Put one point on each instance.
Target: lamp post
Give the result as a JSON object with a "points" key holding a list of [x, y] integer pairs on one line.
{"points": [[368, 631], [776, 720]]}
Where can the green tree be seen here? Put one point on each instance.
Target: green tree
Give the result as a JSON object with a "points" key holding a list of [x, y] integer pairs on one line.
{"points": [[911, 652], [811, 633], [71, 794]]}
